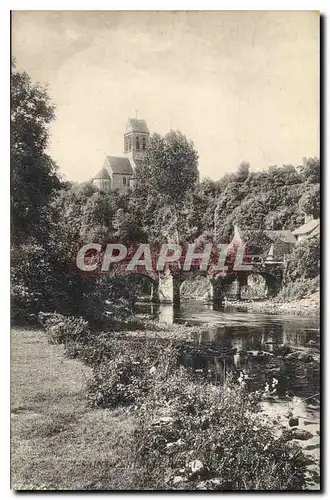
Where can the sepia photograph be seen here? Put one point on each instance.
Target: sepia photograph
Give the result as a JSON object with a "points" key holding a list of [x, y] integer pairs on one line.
{"points": [[165, 250]]}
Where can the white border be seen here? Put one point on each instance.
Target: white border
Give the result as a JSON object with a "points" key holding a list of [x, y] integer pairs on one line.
{"points": [[322, 6]]}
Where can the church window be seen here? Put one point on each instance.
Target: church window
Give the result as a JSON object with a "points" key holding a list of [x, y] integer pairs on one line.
{"points": [[124, 181], [137, 143], [129, 144], [144, 143]]}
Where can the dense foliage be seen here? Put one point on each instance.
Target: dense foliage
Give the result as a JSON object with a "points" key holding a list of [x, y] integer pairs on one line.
{"points": [[203, 436], [304, 261], [33, 173], [190, 433], [52, 219]]}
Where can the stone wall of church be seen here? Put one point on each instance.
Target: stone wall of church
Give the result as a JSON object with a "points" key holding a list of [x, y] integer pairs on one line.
{"points": [[102, 184], [120, 182]]}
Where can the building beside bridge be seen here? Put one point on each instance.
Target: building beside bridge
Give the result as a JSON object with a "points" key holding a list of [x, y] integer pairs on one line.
{"points": [[118, 172], [308, 230], [278, 243]]}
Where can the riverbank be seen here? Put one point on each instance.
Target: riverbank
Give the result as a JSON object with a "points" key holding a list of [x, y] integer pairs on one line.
{"points": [[58, 442], [93, 425], [309, 306]]}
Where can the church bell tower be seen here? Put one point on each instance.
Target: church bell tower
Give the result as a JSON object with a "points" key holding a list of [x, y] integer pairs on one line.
{"points": [[136, 138]]}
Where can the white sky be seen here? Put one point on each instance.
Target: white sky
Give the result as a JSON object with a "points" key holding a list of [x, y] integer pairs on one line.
{"points": [[241, 85]]}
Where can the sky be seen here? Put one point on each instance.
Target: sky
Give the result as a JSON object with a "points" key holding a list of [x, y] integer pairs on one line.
{"points": [[242, 85]]}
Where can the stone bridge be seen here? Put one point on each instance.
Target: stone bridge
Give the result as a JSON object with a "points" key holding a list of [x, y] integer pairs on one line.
{"points": [[166, 286]]}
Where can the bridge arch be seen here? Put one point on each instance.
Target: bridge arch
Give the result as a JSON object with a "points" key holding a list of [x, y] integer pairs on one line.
{"points": [[196, 286], [134, 283]]}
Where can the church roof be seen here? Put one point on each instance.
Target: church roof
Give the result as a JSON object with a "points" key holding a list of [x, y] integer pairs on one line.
{"points": [[102, 174], [137, 125], [120, 165]]}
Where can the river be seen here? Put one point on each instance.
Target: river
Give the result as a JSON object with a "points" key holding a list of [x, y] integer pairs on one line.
{"points": [[253, 340]]}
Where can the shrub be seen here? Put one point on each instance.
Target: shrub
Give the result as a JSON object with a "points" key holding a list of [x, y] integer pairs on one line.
{"points": [[203, 436], [127, 371], [304, 261], [299, 289], [62, 329], [34, 285], [93, 351], [119, 382]]}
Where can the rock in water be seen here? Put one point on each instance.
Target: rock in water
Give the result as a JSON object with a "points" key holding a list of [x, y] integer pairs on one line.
{"points": [[282, 350], [311, 343], [293, 422], [300, 434]]}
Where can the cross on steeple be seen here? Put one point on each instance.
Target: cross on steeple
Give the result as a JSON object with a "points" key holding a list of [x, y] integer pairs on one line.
{"points": [[136, 113]]}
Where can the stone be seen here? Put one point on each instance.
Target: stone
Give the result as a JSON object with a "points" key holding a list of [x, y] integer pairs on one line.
{"points": [[179, 442], [293, 422], [292, 356], [215, 483], [282, 350], [311, 343], [311, 447], [163, 421], [305, 357], [295, 433], [196, 466], [178, 480]]}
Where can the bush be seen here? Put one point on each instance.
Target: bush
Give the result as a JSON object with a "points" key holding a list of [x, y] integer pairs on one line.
{"points": [[299, 289], [304, 261], [34, 285], [202, 436], [93, 351], [62, 329], [129, 372], [119, 382]]}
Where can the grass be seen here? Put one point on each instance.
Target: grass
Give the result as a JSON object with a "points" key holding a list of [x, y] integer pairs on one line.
{"points": [[61, 443], [57, 441]]}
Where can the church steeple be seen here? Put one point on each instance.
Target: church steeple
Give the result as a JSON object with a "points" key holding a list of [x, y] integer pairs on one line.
{"points": [[136, 138]]}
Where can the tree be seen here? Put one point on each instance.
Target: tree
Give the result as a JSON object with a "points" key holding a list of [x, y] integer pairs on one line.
{"points": [[310, 170], [309, 202], [173, 163], [251, 213], [33, 173], [168, 178], [243, 171], [257, 242], [304, 261]]}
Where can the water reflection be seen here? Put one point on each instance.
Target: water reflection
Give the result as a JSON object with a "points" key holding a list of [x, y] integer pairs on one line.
{"points": [[232, 342], [229, 341], [237, 329]]}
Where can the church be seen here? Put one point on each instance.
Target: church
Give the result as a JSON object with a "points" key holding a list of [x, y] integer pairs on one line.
{"points": [[118, 172]]}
